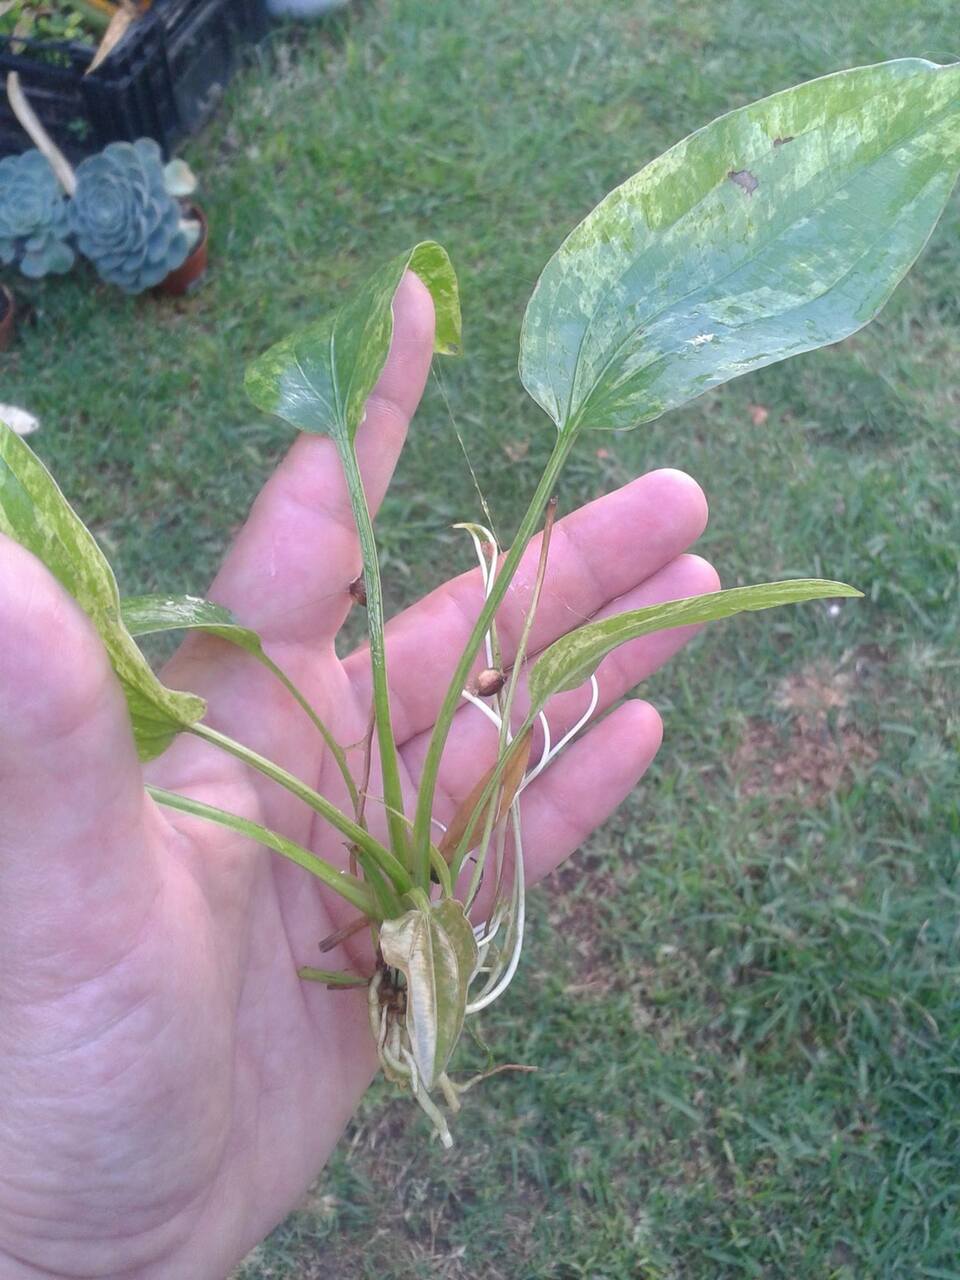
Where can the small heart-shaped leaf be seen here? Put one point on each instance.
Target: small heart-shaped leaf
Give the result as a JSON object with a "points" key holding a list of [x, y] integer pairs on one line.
{"points": [[319, 380]]}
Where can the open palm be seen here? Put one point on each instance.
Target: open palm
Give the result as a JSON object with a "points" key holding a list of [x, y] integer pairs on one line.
{"points": [[169, 1086]]}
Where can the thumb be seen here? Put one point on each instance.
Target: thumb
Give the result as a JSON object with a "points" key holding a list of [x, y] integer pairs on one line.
{"points": [[74, 877]]}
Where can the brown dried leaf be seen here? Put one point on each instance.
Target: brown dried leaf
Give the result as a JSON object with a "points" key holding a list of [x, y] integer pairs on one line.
{"points": [[116, 30], [745, 179], [510, 785]]}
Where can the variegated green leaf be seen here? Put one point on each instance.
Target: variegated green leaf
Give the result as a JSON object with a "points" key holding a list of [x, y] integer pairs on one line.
{"points": [[434, 948], [573, 658], [150, 615], [34, 512], [776, 229], [319, 379]]}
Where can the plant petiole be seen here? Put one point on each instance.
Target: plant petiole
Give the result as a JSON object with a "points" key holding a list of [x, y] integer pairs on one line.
{"points": [[389, 764], [357, 836], [334, 978], [549, 518], [451, 701], [330, 741], [341, 882]]}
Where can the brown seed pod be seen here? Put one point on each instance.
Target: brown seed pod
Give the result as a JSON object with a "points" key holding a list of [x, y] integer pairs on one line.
{"points": [[358, 590], [489, 682]]}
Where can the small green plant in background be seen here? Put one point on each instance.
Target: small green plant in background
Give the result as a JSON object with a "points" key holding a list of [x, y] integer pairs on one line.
{"points": [[777, 229], [34, 222], [52, 23], [36, 20], [125, 217], [124, 214], [123, 208]]}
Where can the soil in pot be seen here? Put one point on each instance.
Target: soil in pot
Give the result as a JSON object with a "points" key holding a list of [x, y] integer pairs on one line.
{"points": [[188, 275], [7, 317]]}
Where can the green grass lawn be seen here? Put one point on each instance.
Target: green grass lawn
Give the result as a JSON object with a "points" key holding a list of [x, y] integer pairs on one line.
{"points": [[743, 994]]}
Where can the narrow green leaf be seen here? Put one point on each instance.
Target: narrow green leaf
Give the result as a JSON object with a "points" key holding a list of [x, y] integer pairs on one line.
{"points": [[776, 229], [319, 380], [332, 977], [341, 882], [34, 512], [384, 889], [434, 948], [573, 658]]}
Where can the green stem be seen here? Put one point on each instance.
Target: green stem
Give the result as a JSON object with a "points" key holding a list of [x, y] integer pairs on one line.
{"points": [[431, 765], [506, 699], [389, 766], [333, 746], [354, 833], [333, 977], [438, 864], [506, 709], [493, 805], [459, 854], [341, 882], [384, 892]]}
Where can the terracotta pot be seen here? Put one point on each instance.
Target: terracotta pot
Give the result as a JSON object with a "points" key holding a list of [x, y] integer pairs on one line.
{"points": [[8, 313], [189, 274]]}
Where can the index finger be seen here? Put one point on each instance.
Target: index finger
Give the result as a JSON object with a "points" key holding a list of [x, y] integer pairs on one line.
{"points": [[597, 554], [289, 571]]}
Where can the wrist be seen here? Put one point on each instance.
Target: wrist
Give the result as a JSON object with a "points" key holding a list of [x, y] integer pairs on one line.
{"points": [[179, 1248], [187, 1262]]}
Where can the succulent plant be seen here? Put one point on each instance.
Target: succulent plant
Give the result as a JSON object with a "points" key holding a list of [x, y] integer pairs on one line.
{"points": [[125, 220], [34, 223]]}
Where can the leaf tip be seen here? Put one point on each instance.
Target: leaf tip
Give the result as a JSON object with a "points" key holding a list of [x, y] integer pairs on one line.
{"points": [[430, 262]]}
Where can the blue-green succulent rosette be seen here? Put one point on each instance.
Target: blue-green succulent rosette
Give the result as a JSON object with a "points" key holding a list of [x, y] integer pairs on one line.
{"points": [[124, 219], [34, 222]]}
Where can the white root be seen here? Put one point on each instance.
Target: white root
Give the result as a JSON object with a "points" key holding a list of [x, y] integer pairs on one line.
{"points": [[497, 984], [549, 754]]}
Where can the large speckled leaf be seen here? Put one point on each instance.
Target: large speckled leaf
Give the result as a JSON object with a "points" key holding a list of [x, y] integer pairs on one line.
{"points": [[434, 948], [35, 513], [319, 379], [778, 228], [573, 658]]}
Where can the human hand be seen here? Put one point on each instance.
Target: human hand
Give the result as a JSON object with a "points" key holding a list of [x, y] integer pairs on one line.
{"points": [[170, 1086]]}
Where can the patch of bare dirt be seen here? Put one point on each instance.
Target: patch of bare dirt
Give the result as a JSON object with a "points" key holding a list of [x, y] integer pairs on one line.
{"points": [[418, 1208], [575, 899], [821, 747]]}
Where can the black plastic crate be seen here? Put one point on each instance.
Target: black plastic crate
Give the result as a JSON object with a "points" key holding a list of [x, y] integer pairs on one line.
{"points": [[162, 80]]}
